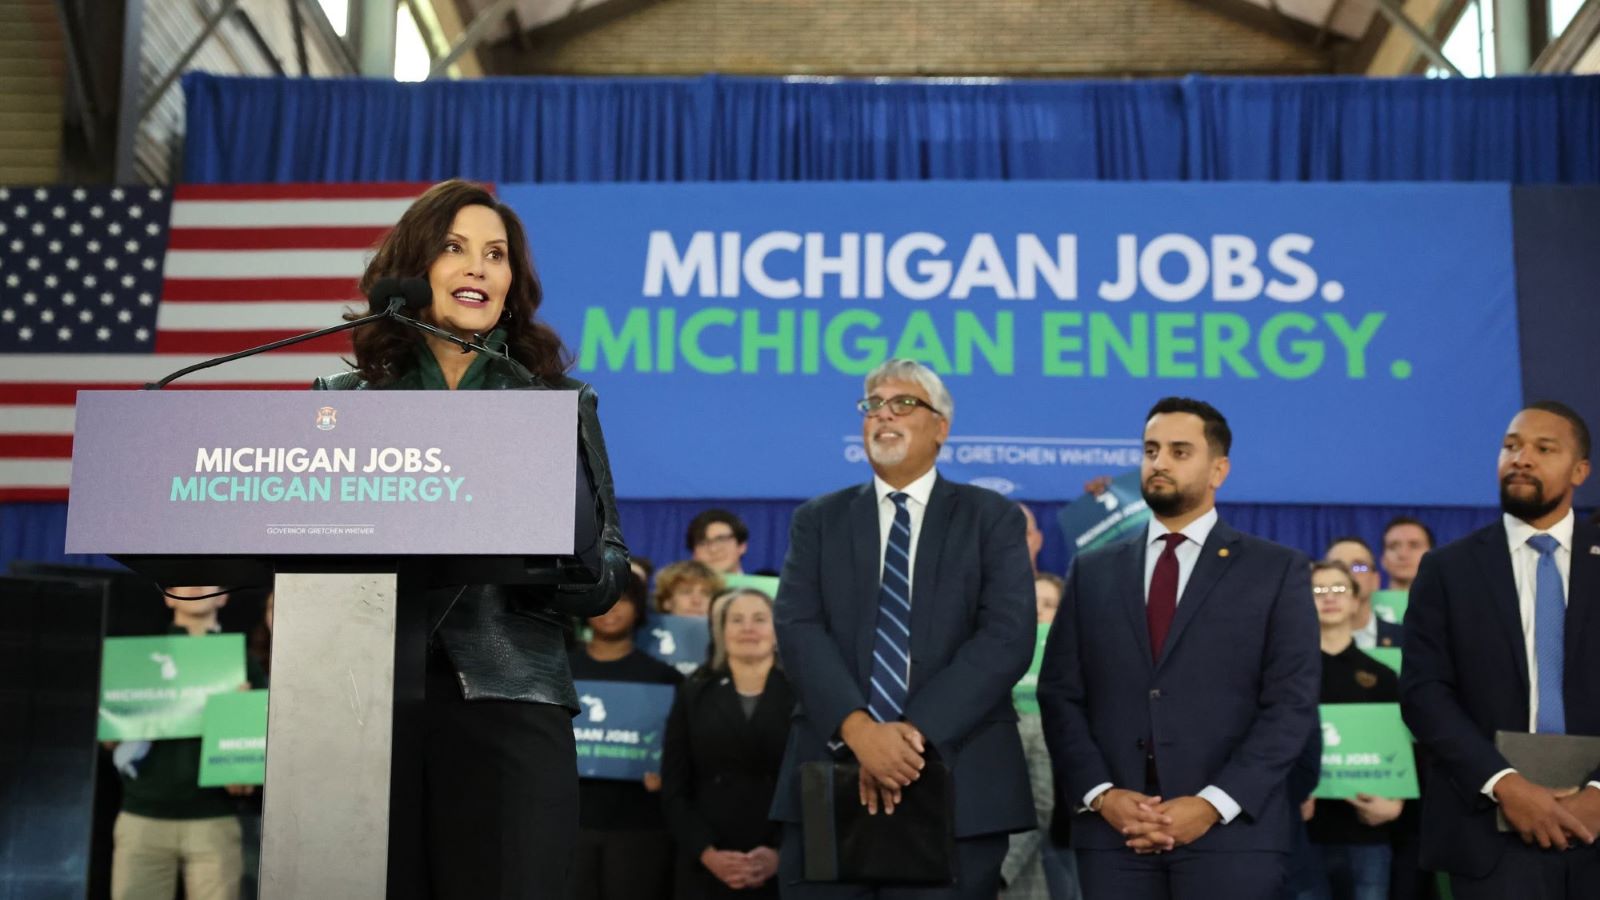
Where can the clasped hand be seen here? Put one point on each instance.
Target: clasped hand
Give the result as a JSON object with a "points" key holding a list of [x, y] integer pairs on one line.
{"points": [[1551, 818], [890, 755], [1154, 826]]}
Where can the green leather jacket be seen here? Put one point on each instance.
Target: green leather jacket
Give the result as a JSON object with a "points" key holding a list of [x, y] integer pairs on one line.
{"points": [[509, 642]]}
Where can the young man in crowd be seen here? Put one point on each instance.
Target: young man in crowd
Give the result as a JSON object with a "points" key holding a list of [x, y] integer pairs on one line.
{"points": [[1369, 630], [719, 539], [1404, 541]]}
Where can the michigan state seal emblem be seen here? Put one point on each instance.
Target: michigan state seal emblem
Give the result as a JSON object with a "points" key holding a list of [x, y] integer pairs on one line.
{"points": [[326, 418]]}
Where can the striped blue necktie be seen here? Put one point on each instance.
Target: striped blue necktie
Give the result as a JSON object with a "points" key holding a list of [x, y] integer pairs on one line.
{"points": [[891, 649], [1549, 636]]}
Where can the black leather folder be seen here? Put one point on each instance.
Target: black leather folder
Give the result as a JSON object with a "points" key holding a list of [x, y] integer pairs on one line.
{"points": [[1552, 760], [915, 845]]}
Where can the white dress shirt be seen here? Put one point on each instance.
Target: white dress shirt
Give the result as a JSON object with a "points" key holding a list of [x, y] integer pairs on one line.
{"points": [[1188, 553], [917, 493], [1366, 637], [1525, 571]]}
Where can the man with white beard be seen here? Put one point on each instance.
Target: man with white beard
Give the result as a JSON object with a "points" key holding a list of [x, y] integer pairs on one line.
{"points": [[905, 615]]}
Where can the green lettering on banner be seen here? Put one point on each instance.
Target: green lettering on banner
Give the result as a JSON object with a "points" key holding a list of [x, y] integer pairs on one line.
{"points": [[233, 742], [599, 338], [1355, 340], [1169, 344], [1225, 335], [1366, 749], [753, 340], [920, 341], [1309, 353], [689, 340], [870, 351], [153, 688], [1054, 343], [1132, 350], [998, 349]]}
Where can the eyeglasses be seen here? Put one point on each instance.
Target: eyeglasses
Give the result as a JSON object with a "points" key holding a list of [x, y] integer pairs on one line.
{"points": [[1321, 589], [902, 405], [718, 539], [1358, 568]]}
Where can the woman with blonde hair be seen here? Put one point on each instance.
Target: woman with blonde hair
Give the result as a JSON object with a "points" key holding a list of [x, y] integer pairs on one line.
{"points": [[724, 743]]}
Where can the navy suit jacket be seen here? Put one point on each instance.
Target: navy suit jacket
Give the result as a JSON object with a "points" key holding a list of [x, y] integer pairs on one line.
{"points": [[972, 636], [1464, 676], [1232, 701]]}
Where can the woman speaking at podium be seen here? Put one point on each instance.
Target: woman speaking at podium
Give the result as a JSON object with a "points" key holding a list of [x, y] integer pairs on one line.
{"points": [[500, 803]]}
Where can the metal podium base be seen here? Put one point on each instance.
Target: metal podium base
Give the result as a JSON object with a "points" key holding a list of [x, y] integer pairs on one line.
{"points": [[340, 708]]}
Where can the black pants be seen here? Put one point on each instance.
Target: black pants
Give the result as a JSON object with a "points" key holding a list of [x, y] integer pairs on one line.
{"points": [[1183, 874], [500, 796], [622, 865], [1530, 873], [978, 862]]}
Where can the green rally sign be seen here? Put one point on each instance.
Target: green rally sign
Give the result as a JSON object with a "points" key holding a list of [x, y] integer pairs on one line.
{"points": [[152, 688]]}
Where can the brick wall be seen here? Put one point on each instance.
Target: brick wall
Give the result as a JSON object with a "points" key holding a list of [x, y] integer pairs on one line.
{"points": [[915, 37]]}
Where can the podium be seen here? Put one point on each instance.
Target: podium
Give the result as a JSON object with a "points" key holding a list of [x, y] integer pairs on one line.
{"points": [[343, 502]]}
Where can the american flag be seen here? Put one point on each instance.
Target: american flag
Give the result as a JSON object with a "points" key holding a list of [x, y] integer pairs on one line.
{"points": [[113, 287]]}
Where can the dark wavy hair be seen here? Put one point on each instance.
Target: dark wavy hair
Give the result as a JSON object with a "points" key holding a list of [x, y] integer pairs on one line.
{"points": [[384, 350]]}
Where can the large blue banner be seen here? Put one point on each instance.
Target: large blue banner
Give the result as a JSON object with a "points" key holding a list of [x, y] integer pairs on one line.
{"points": [[1362, 339]]}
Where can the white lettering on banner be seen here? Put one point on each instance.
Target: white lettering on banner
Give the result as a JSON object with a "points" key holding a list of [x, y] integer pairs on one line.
{"points": [[922, 265], [1109, 452]]}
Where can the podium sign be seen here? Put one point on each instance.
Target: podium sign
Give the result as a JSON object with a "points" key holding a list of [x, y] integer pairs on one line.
{"points": [[276, 473]]}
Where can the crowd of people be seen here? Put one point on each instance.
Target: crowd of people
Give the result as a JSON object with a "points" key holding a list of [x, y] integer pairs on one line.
{"points": [[1175, 745]]}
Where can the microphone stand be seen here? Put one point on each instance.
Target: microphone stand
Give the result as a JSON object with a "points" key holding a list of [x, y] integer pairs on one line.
{"points": [[469, 346], [396, 304]]}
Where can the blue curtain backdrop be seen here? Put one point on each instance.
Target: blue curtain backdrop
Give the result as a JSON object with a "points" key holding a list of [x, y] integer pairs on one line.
{"points": [[1522, 130]]}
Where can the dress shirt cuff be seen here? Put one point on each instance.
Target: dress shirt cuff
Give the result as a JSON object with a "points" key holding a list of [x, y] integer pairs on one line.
{"points": [[1594, 784], [1097, 790], [1224, 804], [1488, 786]]}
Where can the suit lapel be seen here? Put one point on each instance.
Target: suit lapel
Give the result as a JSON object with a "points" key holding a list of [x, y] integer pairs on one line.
{"points": [[936, 518], [1583, 584], [1494, 559], [865, 574], [1130, 591], [1216, 556]]}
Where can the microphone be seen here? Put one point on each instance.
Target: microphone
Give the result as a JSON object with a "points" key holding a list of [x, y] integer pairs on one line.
{"points": [[414, 293]]}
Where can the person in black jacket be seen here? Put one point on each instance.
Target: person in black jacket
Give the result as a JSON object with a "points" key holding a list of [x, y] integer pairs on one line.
{"points": [[624, 848], [1350, 838], [724, 744], [500, 802]]}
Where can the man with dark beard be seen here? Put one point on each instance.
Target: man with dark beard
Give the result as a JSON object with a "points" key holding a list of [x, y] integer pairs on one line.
{"points": [[1503, 634], [1180, 685]]}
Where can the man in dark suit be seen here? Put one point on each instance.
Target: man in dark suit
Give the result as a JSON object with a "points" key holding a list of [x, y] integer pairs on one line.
{"points": [[1180, 685], [1370, 629], [1503, 634], [905, 615]]}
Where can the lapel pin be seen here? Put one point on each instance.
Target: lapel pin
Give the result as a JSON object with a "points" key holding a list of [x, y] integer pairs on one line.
{"points": [[1224, 552]]}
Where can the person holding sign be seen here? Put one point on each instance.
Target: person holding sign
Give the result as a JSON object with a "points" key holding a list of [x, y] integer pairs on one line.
{"points": [[624, 848], [169, 826], [1503, 635], [905, 615], [1179, 686], [1351, 837], [500, 802], [725, 739]]}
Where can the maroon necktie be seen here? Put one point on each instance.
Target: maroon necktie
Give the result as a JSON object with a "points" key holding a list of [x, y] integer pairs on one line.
{"points": [[1163, 601]]}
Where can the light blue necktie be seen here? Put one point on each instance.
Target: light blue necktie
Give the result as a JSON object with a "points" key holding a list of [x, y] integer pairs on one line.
{"points": [[891, 649], [1549, 636]]}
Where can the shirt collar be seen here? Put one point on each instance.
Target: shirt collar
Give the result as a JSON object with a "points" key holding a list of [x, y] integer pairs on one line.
{"points": [[1518, 531], [432, 377], [918, 490], [1196, 531]]}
